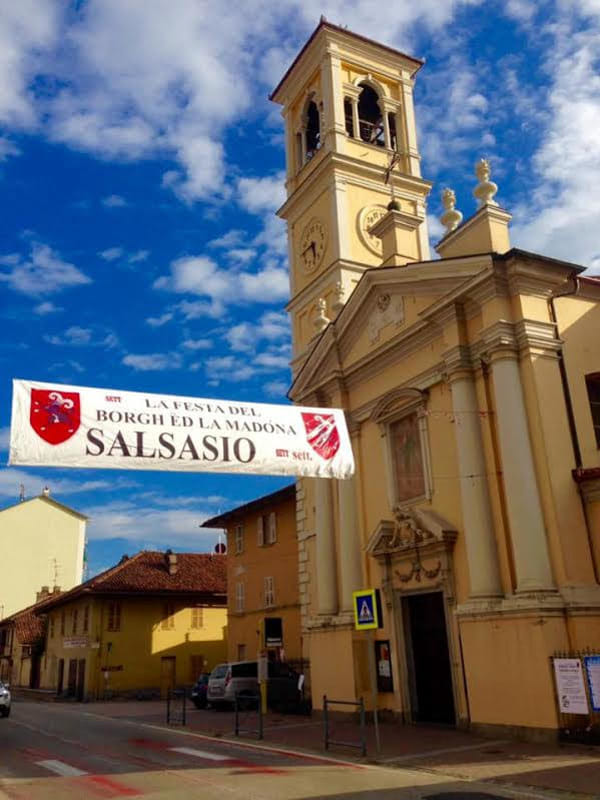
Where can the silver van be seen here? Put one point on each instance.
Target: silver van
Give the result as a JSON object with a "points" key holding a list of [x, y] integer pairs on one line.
{"points": [[240, 679], [233, 679]]}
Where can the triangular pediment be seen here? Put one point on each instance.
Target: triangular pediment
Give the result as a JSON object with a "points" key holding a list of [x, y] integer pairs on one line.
{"points": [[388, 304]]}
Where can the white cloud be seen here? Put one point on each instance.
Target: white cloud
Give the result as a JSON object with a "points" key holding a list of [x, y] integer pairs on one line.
{"points": [[560, 215], [33, 482], [4, 438], [77, 336], [232, 238], [7, 148], [197, 344], [273, 326], [201, 275], [258, 195], [276, 389], [152, 362], [111, 253], [44, 273], [158, 322], [113, 200], [47, 307], [139, 255], [170, 526]]}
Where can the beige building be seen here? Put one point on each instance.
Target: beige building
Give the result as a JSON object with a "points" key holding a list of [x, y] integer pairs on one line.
{"points": [[262, 578], [44, 541], [471, 385]]}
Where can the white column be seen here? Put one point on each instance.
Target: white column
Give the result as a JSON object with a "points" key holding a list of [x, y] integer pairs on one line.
{"points": [[350, 549], [355, 122], [528, 532], [480, 542], [410, 128], [325, 534], [386, 130]]}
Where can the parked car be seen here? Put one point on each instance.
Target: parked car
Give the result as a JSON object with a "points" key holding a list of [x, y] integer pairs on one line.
{"points": [[240, 679], [4, 700], [198, 693]]}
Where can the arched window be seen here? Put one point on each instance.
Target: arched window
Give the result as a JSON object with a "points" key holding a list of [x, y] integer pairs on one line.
{"points": [[313, 130], [370, 117]]}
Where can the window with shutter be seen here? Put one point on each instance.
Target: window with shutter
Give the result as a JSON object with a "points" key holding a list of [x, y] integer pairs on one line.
{"points": [[260, 530], [272, 527], [269, 592], [197, 617], [86, 619], [239, 596], [239, 539], [168, 620], [114, 617]]}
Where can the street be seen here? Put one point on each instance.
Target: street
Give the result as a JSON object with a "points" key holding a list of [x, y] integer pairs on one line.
{"points": [[55, 751]]}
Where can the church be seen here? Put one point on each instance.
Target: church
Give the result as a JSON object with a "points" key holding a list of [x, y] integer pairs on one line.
{"points": [[471, 387]]}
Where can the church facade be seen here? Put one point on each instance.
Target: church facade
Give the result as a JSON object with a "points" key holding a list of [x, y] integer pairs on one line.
{"points": [[471, 389]]}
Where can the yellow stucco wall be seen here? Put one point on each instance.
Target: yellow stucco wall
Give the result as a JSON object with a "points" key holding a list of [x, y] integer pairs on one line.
{"points": [[251, 567], [46, 544], [133, 656]]}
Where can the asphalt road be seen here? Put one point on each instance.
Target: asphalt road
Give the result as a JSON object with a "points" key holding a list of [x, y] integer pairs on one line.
{"points": [[51, 751]]}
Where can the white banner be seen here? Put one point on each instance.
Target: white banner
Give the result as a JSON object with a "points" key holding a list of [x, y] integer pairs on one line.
{"points": [[76, 426]]}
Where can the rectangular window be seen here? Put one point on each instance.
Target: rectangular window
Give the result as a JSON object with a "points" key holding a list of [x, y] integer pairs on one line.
{"points": [[239, 539], [407, 458], [52, 618], [272, 530], [269, 592], [62, 623], [197, 617], [86, 619], [168, 620], [239, 596], [114, 616], [593, 389], [75, 615], [260, 530], [241, 652]]}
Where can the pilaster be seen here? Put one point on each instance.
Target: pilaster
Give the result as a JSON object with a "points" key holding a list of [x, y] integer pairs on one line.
{"points": [[326, 550]]}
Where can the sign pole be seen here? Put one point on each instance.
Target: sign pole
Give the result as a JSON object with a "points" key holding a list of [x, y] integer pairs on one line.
{"points": [[373, 671]]}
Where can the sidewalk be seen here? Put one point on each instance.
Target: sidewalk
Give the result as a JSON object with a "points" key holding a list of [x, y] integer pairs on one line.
{"points": [[568, 768]]}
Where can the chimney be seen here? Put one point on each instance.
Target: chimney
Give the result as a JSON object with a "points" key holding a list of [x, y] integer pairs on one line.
{"points": [[42, 594], [56, 590], [398, 233], [171, 559], [46, 491]]}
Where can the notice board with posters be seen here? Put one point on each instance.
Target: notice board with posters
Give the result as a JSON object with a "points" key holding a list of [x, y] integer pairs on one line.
{"points": [[570, 686], [383, 662]]}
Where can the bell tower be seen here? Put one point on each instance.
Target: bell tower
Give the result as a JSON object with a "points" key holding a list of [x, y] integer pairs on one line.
{"points": [[351, 148]]}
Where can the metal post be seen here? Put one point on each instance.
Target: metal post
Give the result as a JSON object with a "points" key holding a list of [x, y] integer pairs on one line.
{"points": [[184, 704], [168, 706], [260, 720], [373, 669], [326, 720], [237, 715], [363, 732]]}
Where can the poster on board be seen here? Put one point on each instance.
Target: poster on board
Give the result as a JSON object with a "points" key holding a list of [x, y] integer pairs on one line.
{"points": [[78, 426], [592, 670], [570, 688]]}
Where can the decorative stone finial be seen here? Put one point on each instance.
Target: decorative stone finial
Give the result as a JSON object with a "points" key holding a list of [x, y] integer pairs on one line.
{"points": [[338, 302], [321, 320], [485, 189], [451, 218]]}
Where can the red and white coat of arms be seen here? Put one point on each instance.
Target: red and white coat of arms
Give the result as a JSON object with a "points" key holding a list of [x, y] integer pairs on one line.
{"points": [[322, 434], [54, 416]]}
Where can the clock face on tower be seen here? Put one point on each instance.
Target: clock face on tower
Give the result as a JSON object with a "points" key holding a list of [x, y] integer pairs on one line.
{"points": [[312, 244]]}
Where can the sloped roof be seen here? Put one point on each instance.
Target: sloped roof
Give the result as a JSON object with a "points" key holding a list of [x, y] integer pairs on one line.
{"points": [[29, 623], [280, 496], [147, 573], [51, 502]]}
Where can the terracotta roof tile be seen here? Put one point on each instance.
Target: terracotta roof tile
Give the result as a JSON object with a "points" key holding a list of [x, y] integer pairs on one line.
{"points": [[147, 573]]}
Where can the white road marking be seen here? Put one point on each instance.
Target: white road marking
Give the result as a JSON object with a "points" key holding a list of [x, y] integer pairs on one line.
{"points": [[61, 768], [190, 751]]}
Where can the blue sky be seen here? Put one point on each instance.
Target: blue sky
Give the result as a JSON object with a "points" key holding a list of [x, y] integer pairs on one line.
{"points": [[140, 166]]}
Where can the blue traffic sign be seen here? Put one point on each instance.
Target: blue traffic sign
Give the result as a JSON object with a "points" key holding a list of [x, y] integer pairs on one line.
{"points": [[366, 616]]}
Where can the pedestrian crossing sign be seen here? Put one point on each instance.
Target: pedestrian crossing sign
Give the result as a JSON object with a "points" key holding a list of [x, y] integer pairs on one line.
{"points": [[366, 609]]}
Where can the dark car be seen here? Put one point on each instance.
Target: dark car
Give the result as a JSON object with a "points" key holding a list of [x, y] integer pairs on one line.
{"points": [[198, 693]]}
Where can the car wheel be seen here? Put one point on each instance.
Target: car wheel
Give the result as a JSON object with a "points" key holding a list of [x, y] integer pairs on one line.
{"points": [[5, 712]]}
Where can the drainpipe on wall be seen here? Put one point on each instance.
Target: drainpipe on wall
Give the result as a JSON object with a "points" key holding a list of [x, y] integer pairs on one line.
{"points": [[569, 406]]}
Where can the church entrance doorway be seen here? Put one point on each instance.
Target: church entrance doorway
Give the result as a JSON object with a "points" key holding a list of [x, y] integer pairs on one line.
{"points": [[428, 659]]}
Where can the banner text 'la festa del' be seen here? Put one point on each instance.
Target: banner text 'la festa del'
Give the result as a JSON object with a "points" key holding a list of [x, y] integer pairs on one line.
{"points": [[75, 426]]}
